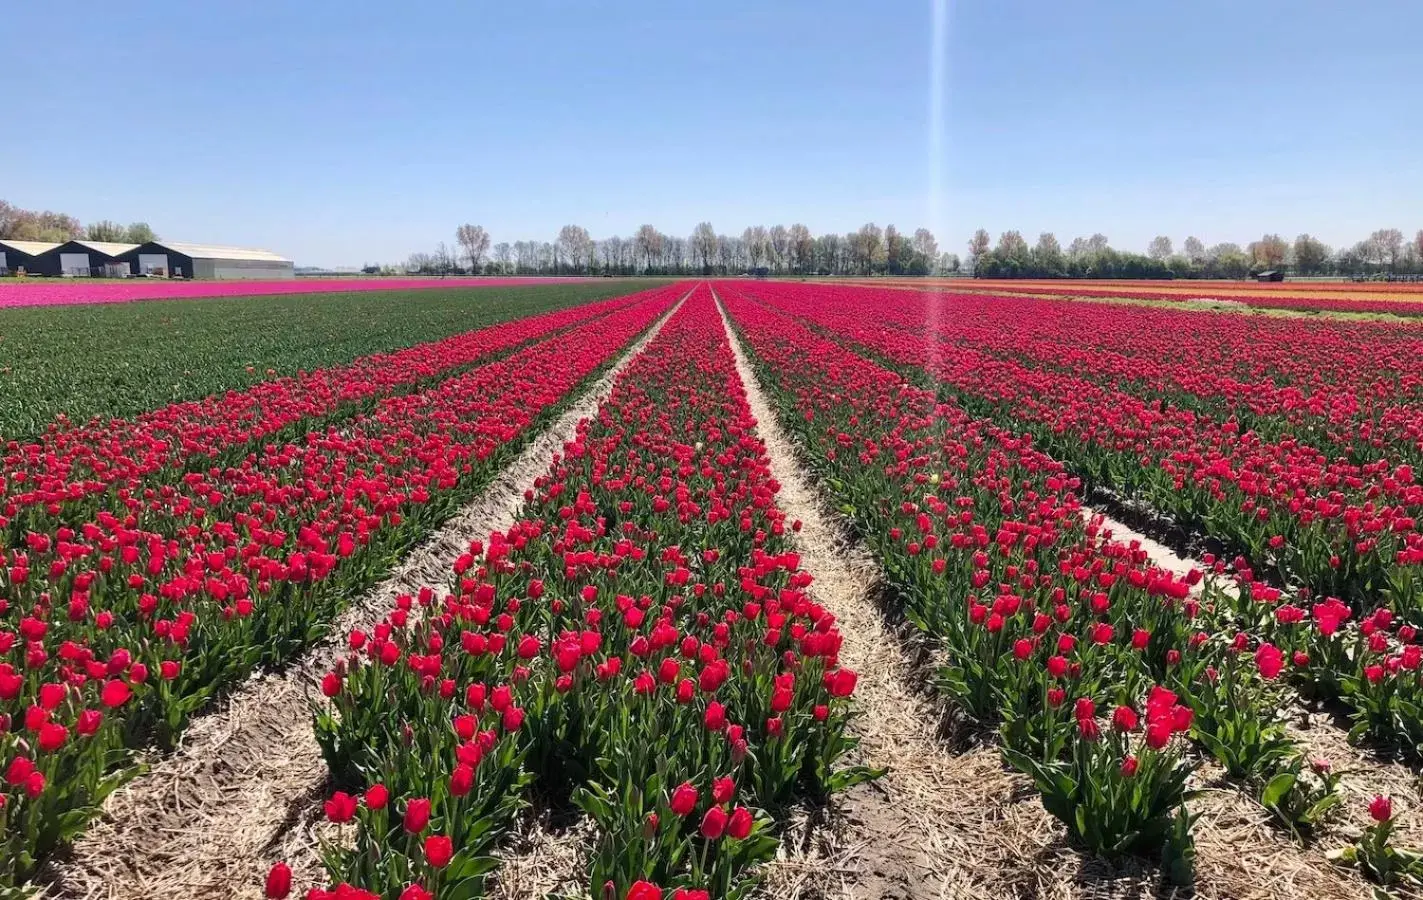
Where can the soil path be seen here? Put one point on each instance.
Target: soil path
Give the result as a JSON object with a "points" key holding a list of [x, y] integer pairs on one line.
{"points": [[245, 785], [1321, 735], [904, 835]]}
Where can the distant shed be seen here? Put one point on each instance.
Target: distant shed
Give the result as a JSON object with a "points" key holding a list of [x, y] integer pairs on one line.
{"points": [[1271, 275], [83, 258], [178, 259], [16, 255]]}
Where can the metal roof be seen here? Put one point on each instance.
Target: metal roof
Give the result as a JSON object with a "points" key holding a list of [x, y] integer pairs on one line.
{"points": [[33, 248], [213, 251], [109, 248]]}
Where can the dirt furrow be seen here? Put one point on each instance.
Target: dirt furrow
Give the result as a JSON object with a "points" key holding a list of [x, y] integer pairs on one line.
{"points": [[245, 786], [948, 821], [1321, 735], [905, 835]]}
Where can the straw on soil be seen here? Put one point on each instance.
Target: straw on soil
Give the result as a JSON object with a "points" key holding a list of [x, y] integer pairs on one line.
{"points": [[1320, 735], [952, 822], [245, 786]]}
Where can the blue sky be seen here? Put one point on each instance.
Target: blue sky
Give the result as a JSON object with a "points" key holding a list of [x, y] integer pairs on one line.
{"points": [[345, 132]]}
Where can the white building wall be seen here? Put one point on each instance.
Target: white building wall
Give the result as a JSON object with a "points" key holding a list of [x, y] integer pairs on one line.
{"points": [[242, 269], [74, 263]]}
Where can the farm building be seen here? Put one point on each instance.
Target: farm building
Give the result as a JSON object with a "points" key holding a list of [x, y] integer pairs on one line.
{"points": [[1271, 275], [16, 255], [83, 258], [176, 259]]}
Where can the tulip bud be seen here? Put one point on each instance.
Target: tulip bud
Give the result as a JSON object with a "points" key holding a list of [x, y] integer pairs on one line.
{"points": [[1381, 808]]}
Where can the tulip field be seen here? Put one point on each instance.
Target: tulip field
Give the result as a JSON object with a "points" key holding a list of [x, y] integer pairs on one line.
{"points": [[1370, 299], [16, 294], [642, 686]]}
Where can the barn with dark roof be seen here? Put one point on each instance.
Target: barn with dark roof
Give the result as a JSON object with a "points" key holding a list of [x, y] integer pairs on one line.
{"points": [[179, 259]]}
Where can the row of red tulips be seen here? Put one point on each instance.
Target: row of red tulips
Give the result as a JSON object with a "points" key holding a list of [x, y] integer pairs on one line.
{"points": [[1353, 385], [1369, 551], [113, 633], [73, 471], [640, 644], [1403, 306], [1337, 527], [1087, 657]]}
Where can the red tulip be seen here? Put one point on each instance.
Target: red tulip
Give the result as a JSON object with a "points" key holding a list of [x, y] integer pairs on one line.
{"points": [[1381, 808], [52, 736], [739, 825], [279, 882], [644, 890], [115, 693], [684, 799], [341, 807], [1270, 660], [377, 797], [842, 682], [713, 823], [417, 815], [439, 850]]}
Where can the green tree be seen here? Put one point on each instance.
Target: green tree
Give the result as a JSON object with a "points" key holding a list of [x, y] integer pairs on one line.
{"points": [[1047, 258], [106, 230], [1311, 255]]}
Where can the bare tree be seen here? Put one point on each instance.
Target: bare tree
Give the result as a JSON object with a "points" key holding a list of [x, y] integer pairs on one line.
{"points": [[978, 247], [926, 246], [609, 250], [649, 244], [1389, 242], [502, 254], [444, 259], [1160, 247], [869, 242], [1268, 252], [1097, 243], [475, 242], [674, 254], [803, 248], [9, 216], [725, 253], [575, 244], [754, 242], [1195, 250], [704, 245], [780, 241]]}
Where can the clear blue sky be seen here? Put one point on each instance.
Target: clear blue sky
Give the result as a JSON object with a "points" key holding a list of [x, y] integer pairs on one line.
{"points": [[344, 132]]}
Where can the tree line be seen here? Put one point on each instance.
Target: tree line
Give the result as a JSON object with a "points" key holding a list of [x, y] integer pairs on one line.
{"points": [[888, 251], [777, 250], [1384, 253], [18, 224]]}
